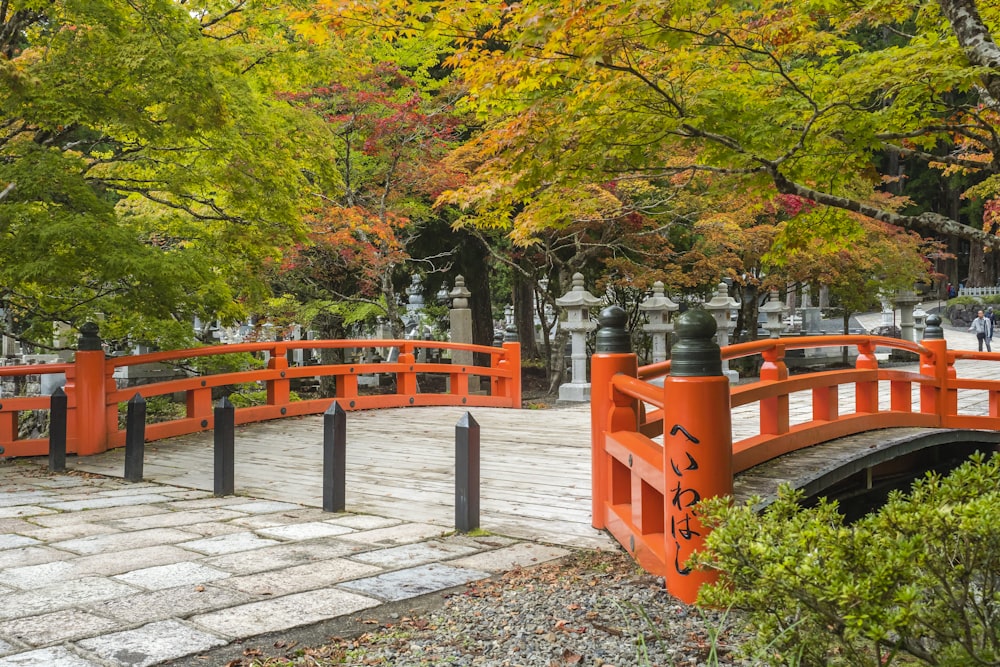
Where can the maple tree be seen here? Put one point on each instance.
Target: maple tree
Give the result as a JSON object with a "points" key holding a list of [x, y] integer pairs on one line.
{"points": [[800, 98], [392, 120], [146, 170]]}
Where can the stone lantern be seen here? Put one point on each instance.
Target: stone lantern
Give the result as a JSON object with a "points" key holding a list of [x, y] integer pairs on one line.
{"points": [[721, 307], [905, 300], [461, 327], [919, 321], [659, 309], [577, 304], [774, 310]]}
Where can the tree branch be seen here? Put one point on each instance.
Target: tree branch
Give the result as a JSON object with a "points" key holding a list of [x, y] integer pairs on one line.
{"points": [[922, 223], [975, 39]]}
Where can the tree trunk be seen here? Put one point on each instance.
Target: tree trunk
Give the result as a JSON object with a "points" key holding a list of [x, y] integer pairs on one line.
{"points": [[329, 327], [524, 316]]}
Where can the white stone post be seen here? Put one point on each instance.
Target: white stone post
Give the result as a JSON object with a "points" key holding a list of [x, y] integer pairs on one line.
{"points": [[721, 308], [577, 304], [774, 310], [659, 309]]}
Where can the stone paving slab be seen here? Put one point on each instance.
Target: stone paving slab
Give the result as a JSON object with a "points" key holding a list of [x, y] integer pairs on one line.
{"points": [[285, 555], [97, 544], [304, 531], [524, 554], [283, 613], [174, 519], [101, 503], [409, 555], [57, 656], [300, 577], [169, 603], [363, 521], [168, 576], [151, 644], [59, 626], [23, 510], [409, 583], [94, 516], [226, 544], [61, 596], [67, 532], [402, 534]]}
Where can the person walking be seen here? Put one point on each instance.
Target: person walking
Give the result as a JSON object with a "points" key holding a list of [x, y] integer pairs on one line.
{"points": [[984, 330]]}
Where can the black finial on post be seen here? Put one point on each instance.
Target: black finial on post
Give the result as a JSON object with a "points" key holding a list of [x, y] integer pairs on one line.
{"points": [[89, 340], [695, 354], [933, 330], [612, 336]]}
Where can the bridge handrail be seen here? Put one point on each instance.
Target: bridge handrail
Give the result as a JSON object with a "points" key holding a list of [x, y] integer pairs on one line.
{"points": [[93, 398], [281, 347]]}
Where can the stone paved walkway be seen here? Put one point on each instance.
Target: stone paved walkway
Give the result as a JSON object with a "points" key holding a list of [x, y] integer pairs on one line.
{"points": [[98, 572]]}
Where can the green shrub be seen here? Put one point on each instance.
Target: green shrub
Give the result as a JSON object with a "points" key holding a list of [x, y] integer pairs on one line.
{"points": [[915, 583], [248, 398]]}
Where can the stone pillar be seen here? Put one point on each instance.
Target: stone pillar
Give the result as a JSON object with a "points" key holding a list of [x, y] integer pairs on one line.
{"points": [[810, 313], [721, 308], [905, 300], [824, 296], [577, 304], [774, 310], [461, 327], [919, 321], [888, 314], [414, 308], [658, 308]]}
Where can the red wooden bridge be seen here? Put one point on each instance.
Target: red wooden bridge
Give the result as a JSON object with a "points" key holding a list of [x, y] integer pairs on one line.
{"points": [[661, 436]]}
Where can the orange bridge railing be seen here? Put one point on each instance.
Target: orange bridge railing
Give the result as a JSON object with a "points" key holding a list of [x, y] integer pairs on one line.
{"points": [[662, 435], [94, 400]]}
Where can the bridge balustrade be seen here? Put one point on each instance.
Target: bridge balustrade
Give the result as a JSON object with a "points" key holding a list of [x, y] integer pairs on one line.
{"points": [[665, 436], [94, 399]]}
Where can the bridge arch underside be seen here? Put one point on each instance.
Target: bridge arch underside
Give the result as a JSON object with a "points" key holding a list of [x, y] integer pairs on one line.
{"points": [[860, 470]]}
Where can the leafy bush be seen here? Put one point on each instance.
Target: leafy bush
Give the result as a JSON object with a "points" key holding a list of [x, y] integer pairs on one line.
{"points": [[915, 583], [249, 398]]}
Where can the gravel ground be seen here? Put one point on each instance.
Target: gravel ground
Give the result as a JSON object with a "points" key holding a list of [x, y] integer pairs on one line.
{"points": [[594, 609]]}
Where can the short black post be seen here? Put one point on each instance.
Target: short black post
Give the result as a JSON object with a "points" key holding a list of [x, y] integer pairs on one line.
{"points": [[334, 458], [135, 438], [466, 474], [225, 448], [58, 407]]}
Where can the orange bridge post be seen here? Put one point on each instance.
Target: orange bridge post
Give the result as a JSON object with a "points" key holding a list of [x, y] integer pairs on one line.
{"points": [[698, 445], [938, 398], [87, 391], [613, 355]]}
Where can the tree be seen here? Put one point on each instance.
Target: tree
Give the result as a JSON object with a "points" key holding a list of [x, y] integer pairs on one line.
{"points": [[146, 170], [798, 98], [393, 121], [916, 582]]}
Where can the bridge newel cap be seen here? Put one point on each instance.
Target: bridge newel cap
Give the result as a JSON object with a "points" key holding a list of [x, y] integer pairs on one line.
{"points": [[612, 337], [933, 330], [89, 340], [695, 354]]}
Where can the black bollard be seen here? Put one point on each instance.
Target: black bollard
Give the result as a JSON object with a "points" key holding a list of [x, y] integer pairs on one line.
{"points": [[334, 458], [466, 474], [135, 438], [58, 407], [225, 448]]}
